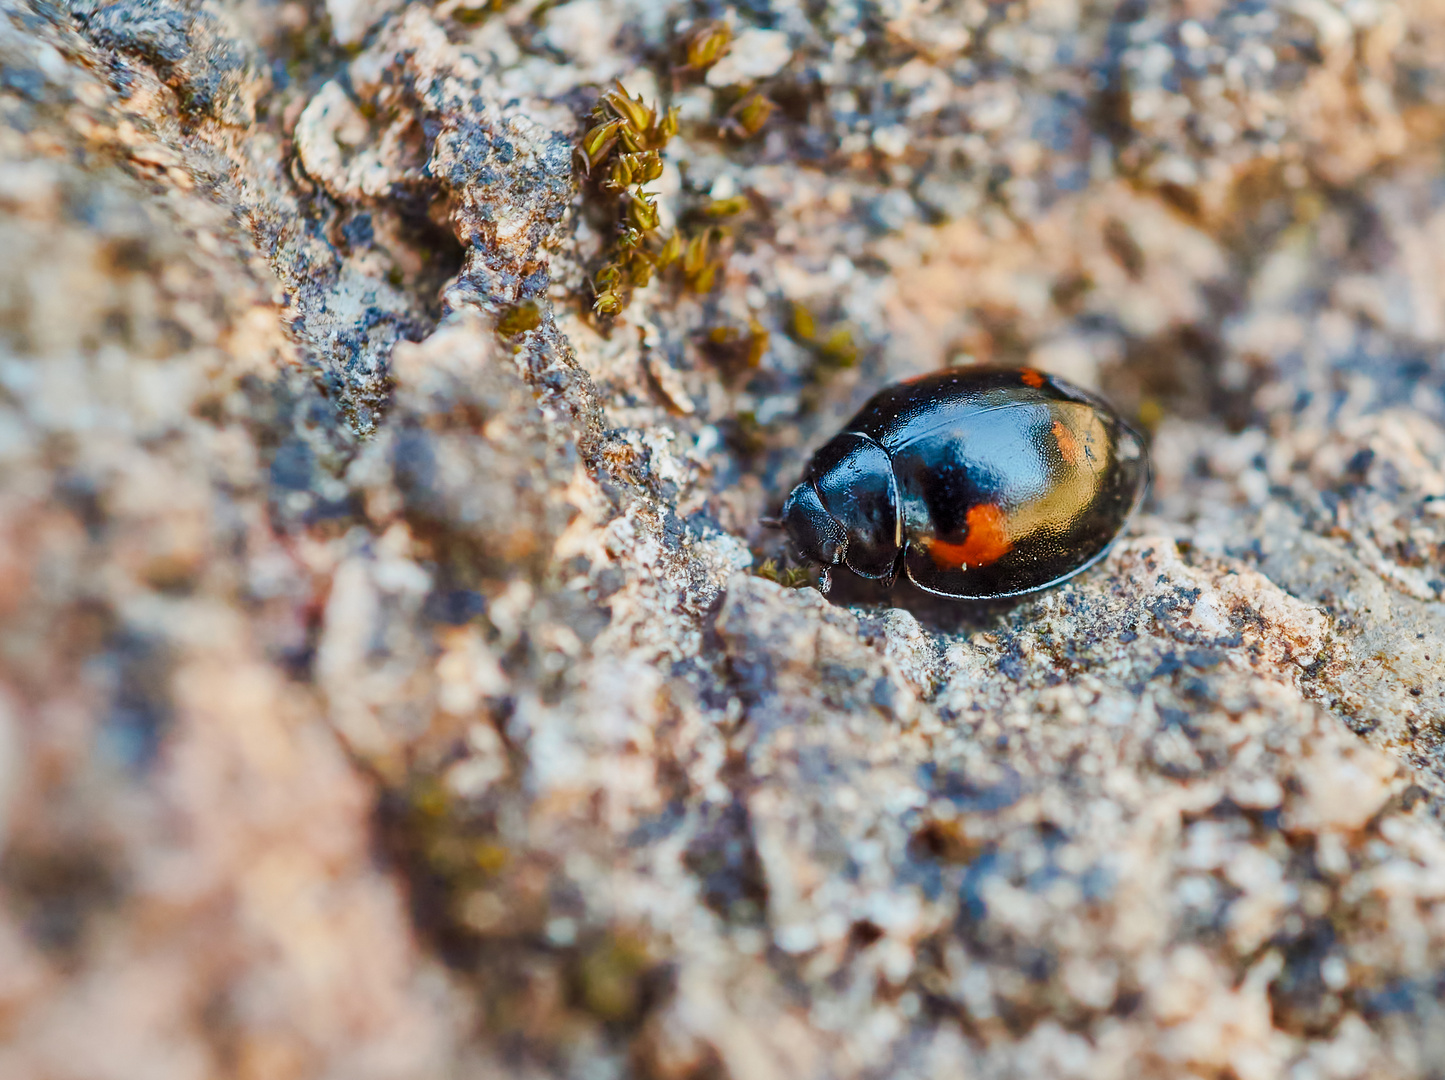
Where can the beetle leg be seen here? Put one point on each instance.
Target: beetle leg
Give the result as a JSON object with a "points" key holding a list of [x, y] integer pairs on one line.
{"points": [[897, 566], [825, 581]]}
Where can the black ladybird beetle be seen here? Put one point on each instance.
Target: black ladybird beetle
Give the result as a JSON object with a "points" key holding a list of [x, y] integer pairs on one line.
{"points": [[977, 482]]}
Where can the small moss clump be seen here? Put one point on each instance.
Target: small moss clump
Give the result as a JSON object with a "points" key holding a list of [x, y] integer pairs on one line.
{"points": [[703, 48], [790, 577], [729, 207], [748, 116], [610, 976], [623, 151], [473, 14], [707, 45], [834, 348], [735, 349], [450, 848], [519, 318], [700, 264]]}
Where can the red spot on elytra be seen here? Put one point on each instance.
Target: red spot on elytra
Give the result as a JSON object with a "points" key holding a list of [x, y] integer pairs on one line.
{"points": [[985, 542], [1068, 445], [1031, 378]]}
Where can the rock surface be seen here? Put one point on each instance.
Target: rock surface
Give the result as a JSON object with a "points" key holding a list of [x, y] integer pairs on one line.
{"points": [[392, 686]]}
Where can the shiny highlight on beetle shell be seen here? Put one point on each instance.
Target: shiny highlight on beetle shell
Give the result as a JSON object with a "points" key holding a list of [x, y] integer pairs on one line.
{"points": [[975, 482]]}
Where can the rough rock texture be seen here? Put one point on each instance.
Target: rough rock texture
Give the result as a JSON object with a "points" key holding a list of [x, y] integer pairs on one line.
{"points": [[388, 691]]}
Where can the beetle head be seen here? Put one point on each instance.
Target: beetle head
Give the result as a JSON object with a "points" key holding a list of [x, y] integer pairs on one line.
{"points": [[818, 536]]}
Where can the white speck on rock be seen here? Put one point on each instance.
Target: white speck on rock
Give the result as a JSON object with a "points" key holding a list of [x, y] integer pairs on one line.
{"points": [[755, 54]]}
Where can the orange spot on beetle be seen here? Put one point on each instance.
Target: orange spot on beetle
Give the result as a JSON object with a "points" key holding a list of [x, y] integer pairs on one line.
{"points": [[1031, 378], [986, 541], [1068, 445]]}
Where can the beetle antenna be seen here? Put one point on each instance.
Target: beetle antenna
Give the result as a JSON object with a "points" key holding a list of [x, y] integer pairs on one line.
{"points": [[770, 522]]}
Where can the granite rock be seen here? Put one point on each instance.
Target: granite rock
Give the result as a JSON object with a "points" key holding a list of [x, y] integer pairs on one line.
{"points": [[395, 678]]}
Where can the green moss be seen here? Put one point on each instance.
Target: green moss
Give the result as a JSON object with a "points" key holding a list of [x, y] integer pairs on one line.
{"points": [[610, 977], [749, 116], [622, 152], [838, 349], [719, 208], [792, 577], [519, 318], [834, 347], [736, 350], [707, 45]]}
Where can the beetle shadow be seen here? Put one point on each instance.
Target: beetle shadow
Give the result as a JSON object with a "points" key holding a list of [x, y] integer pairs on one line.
{"points": [[940, 614]]}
